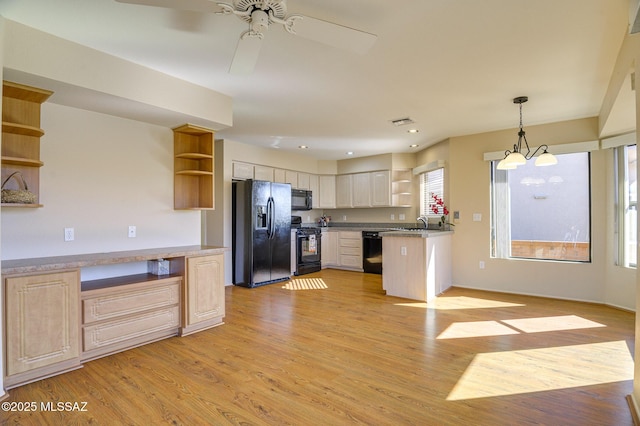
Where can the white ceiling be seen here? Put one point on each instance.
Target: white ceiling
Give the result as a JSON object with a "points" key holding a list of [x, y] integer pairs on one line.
{"points": [[453, 66]]}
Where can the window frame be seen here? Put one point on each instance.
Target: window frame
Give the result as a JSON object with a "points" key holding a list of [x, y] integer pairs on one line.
{"points": [[426, 189], [621, 203], [504, 250]]}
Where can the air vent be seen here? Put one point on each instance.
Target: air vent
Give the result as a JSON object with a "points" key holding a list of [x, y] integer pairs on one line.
{"points": [[402, 122]]}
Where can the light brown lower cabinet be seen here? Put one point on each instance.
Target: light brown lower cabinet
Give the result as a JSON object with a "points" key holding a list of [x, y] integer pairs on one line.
{"points": [[54, 322], [203, 299], [119, 316], [42, 326]]}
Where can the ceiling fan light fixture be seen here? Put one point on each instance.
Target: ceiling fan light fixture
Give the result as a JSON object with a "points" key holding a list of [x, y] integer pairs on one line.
{"points": [[260, 14]]}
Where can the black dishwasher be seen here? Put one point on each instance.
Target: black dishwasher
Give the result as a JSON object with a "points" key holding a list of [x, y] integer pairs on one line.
{"points": [[372, 252]]}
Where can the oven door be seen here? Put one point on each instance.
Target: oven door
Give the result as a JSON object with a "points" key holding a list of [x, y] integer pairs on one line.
{"points": [[308, 249]]}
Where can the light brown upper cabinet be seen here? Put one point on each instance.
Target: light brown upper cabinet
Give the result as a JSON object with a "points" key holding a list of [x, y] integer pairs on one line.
{"points": [[21, 134], [193, 168]]}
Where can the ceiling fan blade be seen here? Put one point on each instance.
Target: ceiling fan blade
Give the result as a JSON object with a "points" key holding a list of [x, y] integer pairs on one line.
{"points": [[246, 56], [335, 35], [193, 5]]}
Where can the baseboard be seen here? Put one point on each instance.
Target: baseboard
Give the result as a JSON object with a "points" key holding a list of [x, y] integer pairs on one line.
{"points": [[633, 407]]}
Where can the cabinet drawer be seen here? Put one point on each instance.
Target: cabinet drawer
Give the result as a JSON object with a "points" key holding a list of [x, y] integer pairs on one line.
{"points": [[129, 301], [350, 243], [351, 235], [129, 328], [353, 251], [351, 261]]}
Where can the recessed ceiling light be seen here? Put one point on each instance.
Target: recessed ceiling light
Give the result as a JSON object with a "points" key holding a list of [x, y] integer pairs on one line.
{"points": [[303, 146], [415, 145], [413, 131], [349, 152]]}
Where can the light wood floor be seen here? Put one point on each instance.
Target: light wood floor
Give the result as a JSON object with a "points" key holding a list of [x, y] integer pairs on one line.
{"points": [[347, 354]]}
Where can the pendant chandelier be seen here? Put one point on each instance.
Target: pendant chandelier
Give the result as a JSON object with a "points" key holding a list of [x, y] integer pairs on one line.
{"points": [[513, 159]]}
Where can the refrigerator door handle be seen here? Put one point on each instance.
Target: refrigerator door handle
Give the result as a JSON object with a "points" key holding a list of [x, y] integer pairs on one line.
{"points": [[270, 217]]}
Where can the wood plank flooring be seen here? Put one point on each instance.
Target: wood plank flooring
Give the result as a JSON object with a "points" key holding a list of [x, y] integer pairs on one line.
{"points": [[340, 352]]}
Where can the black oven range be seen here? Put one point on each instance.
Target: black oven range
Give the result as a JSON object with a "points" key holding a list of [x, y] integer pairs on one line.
{"points": [[307, 247]]}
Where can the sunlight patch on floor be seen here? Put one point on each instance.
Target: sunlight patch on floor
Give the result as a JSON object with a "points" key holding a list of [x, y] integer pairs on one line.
{"points": [[461, 302], [459, 330], [536, 370], [539, 325], [305, 284]]}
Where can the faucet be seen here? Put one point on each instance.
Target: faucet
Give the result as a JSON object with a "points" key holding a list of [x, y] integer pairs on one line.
{"points": [[424, 220]]}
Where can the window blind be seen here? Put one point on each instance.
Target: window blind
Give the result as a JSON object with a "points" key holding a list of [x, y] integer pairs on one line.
{"points": [[431, 183]]}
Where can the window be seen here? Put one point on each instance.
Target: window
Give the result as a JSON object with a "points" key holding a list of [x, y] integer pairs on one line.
{"points": [[542, 212], [431, 183], [626, 204]]}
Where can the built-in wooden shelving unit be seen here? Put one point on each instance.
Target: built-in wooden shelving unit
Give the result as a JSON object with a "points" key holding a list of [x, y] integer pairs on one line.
{"points": [[21, 134]]}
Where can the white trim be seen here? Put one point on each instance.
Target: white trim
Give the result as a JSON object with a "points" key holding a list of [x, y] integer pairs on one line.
{"points": [[566, 148], [620, 140], [434, 165]]}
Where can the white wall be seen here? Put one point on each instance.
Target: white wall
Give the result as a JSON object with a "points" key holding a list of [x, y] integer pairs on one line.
{"points": [[101, 174], [469, 190]]}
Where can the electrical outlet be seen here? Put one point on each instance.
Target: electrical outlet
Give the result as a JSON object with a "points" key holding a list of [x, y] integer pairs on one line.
{"points": [[403, 251], [393, 216], [69, 235], [401, 216], [344, 217], [481, 264], [477, 217], [132, 231]]}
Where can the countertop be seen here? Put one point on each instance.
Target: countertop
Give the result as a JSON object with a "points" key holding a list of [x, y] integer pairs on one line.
{"points": [[429, 233], [45, 264], [389, 231]]}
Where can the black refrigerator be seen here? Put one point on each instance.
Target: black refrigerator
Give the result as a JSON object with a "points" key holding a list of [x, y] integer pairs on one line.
{"points": [[261, 236]]}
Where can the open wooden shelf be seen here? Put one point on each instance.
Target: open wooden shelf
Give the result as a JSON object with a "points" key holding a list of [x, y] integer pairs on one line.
{"points": [[21, 134], [20, 205], [21, 129], [194, 173], [195, 156], [193, 168], [17, 161]]}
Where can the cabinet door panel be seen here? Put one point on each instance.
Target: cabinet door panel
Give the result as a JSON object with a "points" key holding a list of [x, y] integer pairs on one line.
{"points": [[327, 192], [361, 190], [242, 170], [343, 191], [42, 320], [263, 173], [380, 189], [205, 288]]}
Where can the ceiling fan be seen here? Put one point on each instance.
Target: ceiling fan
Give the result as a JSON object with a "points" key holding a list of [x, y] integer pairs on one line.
{"points": [[260, 14]]}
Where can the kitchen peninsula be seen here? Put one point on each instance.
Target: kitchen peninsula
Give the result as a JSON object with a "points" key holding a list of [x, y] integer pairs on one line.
{"points": [[54, 322], [416, 264]]}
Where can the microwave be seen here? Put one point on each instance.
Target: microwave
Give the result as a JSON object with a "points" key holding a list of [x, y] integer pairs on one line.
{"points": [[301, 199]]}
